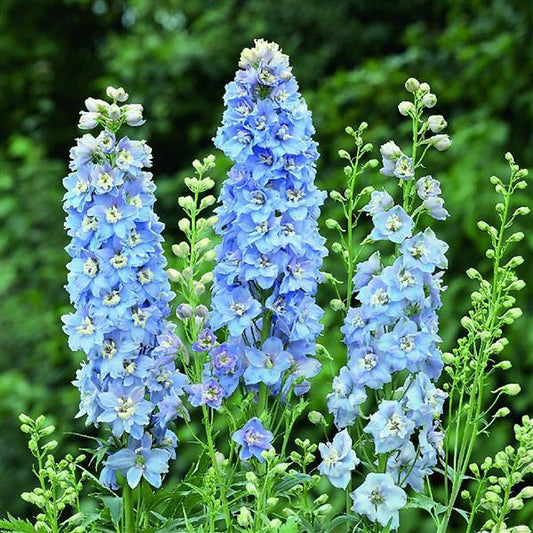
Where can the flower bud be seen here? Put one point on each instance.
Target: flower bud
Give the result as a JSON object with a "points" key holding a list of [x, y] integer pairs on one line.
{"points": [[173, 275], [244, 518], [511, 389], [504, 365], [343, 154], [336, 304], [336, 195], [412, 85], [114, 112], [502, 412], [120, 95], [429, 100], [436, 123], [96, 105], [184, 225], [181, 249], [441, 142], [184, 311], [316, 418], [133, 114], [406, 108], [390, 150], [88, 120], [201, 311]]}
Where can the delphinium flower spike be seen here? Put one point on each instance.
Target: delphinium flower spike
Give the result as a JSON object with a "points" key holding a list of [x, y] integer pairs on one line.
{"points": [[120, 291], [391, 333], [268, 263]]}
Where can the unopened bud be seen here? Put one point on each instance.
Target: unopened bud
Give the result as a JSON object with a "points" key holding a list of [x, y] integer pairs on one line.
{"points": [[412, 85], [436, 123], [429, 100], [406, 108]]}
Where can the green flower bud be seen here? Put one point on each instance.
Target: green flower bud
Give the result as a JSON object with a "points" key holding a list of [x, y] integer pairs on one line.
{"points": [[316, 417], [412, 85], [174, 275], [337, 196], [424, 88], [244, 518], [343, 154], [336, 304], [184, 224], [511, 389], [502, 412]]}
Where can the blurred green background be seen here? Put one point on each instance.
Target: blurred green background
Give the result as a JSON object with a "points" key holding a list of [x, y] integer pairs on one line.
{"points": [[351, 59]]}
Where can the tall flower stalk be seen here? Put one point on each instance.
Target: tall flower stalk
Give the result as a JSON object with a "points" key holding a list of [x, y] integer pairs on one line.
{"points": [[385, 400], [268, 263], [120, 291]]}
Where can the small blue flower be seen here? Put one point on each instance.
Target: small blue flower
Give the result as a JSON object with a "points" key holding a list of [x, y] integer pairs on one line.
{"points": [[379, 499], [338, 460], [254, 439], [209, 393], [389, 426], [394, 225], [205, 341], [427, 187], [267, 364], [140, 460], [380, 201]]}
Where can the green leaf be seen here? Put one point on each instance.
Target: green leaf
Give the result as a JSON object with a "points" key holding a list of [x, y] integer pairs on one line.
{"points": [[114, 505], [342, 520], [16, 524], [421, 501], [290, 481]]}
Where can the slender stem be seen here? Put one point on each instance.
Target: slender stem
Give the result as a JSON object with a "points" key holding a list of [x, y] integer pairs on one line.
{"points": [[127, 501]]}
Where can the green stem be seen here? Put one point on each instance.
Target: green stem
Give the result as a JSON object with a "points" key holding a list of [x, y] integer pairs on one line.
{"points": [[127, 501]]}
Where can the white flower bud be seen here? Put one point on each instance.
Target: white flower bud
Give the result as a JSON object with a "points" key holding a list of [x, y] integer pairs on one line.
{"points": [[173, 275], [406, 108], [119, 95], [441, 142], [429, 100], [88, 120], [424, 87], [133, 114], [114, 112], [184, 224], [390, 150], [95, 105], [436, 123], [412, 85], [502, 413]]}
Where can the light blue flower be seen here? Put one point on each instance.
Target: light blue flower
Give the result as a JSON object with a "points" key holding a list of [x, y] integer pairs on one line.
{"points": [[379, 499], [338, 460], [253, 439], [394, 225], [140, 460]]}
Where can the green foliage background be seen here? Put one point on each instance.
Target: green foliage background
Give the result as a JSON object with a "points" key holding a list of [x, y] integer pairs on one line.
{"points": [[351, 59]]}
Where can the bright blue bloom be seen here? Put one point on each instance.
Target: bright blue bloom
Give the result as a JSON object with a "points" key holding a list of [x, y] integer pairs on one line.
{"points": [[379, 499], [254, 439], [267, 364], [120, 291], [226, 365], [140, 460], [389, 426], [125, 410], [345, 399], [235, 308], [269, 259], [208, 393], [338, 460], [205, 341], [394, 225]]}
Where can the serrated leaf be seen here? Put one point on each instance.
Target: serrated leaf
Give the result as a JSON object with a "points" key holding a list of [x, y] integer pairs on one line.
{"points": [[16, 524], [114, 505]]}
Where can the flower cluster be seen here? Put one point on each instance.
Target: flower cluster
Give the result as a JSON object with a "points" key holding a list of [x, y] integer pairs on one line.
{"points": [[119, 288], [392, 339], [268, 262]]}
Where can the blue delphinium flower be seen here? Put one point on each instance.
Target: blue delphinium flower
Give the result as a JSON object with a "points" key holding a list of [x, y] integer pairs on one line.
{"points": [[379, 499], [141, 460], [120, 292], [253, 439], [269, 260], [338, 459]]}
